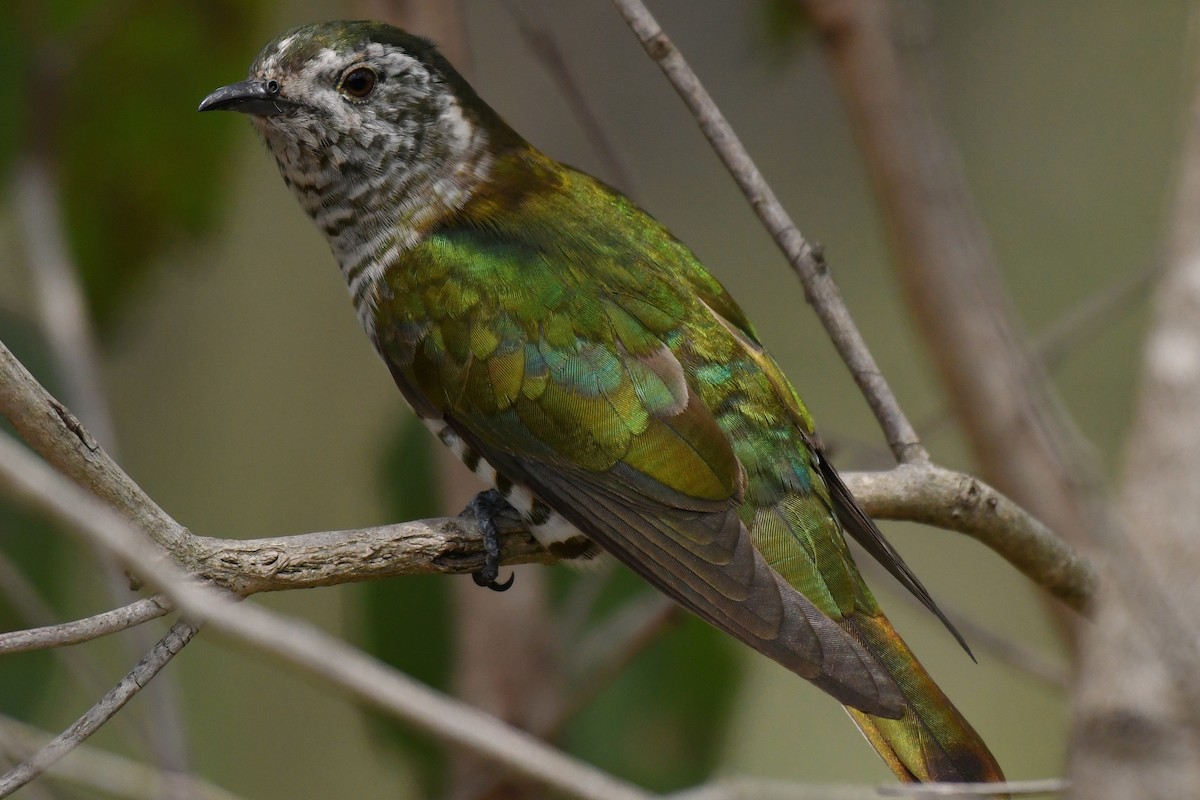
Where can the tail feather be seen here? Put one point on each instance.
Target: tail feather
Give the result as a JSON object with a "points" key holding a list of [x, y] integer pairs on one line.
{"points": [[931, 741]]}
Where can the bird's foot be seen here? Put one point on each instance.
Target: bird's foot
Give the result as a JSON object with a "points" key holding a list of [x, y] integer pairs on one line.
{"points": [[484, 508]]}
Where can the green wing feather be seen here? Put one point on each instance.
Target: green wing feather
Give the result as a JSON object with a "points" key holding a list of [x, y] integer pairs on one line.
{"points": [[585, 353], [572, 371]]}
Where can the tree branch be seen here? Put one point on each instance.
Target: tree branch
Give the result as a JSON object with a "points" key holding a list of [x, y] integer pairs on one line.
{"points": [[935, 496], [819, 288], [104, 771], [85, 630], [58, 437], [1021, 438], [112, 702], [1136, 713], [964, 790], [302, 645], [923, 493]]}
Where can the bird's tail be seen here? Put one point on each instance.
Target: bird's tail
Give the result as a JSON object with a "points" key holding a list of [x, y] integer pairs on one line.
{"points": [[931, 741]]}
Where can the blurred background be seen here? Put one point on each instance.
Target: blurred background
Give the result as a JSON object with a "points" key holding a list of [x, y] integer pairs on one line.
{"points": [[237, 388]]}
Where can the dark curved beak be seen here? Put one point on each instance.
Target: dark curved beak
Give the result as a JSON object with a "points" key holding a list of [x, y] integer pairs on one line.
{"points": [[255, 96]]}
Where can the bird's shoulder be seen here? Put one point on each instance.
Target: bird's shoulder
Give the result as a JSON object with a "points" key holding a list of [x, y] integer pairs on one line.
{"points": [[548, 319]]}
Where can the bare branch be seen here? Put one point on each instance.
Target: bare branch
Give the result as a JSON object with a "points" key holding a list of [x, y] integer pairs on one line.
{"points": [[1017, 431], [1136, 727], [55, 433], [81, 666], [746, 789], [1020, 788], [100, 770], [936, 496], [932, 495], [820, 290], [85, 630], [445, 545], [304, 646], [112, 702], [544, 47]]}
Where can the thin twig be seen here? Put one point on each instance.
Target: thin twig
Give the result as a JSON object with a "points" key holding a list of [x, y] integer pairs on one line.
{"points": [[103, 771], [808, 262], [1019, 434], [747, 789], [1024, 788], [541, 43], [85, 630], [112, 702], [80, 666]]}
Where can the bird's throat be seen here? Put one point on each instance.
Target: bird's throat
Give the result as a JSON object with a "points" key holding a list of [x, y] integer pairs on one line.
{"points": [[374, 210]]}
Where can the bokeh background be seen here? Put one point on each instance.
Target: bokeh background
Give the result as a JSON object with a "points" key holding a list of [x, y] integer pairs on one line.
{"points": [[247, 402]]}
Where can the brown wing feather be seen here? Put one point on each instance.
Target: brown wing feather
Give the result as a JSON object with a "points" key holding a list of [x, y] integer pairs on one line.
{"points": [[704, 559], [858, 524]]}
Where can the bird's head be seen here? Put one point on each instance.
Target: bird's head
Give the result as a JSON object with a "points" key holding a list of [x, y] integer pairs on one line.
{"points": [[344, 106]]}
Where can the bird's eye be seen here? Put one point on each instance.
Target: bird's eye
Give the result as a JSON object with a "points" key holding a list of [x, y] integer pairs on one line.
{"points": [[359, 82], [273, 87]]}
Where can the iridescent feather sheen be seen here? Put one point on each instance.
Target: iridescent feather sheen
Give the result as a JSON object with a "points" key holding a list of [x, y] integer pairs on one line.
{"points": [[567, 346]]}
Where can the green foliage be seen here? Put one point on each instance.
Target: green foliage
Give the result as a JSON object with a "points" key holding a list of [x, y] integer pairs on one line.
{"points": [[35, 548], [106, 95]]}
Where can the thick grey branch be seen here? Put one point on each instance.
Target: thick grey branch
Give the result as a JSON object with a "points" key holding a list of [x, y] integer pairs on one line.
{"points": [[441, 545], [913, 492], [302, 645], [1136, 708]]}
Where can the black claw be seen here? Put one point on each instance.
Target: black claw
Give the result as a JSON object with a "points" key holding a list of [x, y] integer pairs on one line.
{"points": [[480, 580], [485, 507]]}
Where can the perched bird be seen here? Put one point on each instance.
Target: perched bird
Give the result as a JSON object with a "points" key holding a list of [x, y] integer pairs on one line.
{"points": [[575, 354]]}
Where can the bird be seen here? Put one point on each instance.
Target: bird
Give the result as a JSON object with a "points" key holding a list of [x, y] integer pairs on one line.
{"points": [[578, 357]]}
